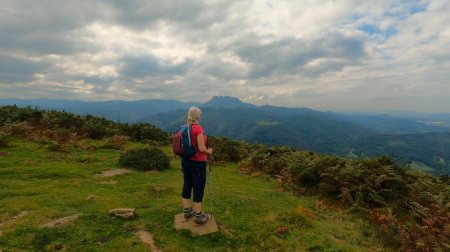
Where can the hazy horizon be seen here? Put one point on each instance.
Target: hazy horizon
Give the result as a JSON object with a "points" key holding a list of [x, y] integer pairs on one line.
{"points": [[357, 56], [363, 112]]}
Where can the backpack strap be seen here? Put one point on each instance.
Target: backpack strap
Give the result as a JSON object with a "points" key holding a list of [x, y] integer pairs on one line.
{"points": [[189, 129]]}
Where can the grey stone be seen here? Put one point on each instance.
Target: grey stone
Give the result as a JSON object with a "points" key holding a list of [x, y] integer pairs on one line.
{"points": [[125, 213]]}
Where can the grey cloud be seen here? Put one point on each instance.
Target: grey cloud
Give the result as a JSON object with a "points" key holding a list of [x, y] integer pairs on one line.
{"points": [[13, 69], [142, 66], [97, 80], [222, 70], [152, 87], [43, 27], [288, 55], [141, 14]]}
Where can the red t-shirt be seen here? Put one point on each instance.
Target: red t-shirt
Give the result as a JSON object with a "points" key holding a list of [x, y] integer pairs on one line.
{"points": [[198, 130]]}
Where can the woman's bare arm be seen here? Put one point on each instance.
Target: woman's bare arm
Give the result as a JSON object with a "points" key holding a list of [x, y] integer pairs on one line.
{"points": [[201, 145]]}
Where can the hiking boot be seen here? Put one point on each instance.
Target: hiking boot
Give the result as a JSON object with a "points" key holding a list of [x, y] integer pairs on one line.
{"points": [[201, 218], [188, 213]]}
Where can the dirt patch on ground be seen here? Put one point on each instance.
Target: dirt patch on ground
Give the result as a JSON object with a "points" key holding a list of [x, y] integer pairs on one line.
{"points": [[115, 172], [109, 182], [333, 238], [228, 232], [61, 221], [14, 218], [147, 238], [3, 154]]}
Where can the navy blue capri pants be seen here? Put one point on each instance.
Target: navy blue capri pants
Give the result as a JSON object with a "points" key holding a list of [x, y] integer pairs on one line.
{"points": [[194, 175]]}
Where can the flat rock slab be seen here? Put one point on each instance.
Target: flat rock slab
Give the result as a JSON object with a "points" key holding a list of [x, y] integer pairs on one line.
{"points": [[125, 213], [61, 221], [207, 228], [111, 173], [147, 238]]}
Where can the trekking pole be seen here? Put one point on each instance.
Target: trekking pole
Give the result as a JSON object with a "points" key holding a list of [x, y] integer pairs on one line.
{"points": [[210, 184]]}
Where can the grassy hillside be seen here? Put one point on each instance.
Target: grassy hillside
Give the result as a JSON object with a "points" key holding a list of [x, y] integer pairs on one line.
{"points": [[431, 149], [288, 199], [252, 213]]}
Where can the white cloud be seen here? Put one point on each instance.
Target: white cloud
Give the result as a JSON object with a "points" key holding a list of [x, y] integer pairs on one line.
{"points": [[346, 55]]}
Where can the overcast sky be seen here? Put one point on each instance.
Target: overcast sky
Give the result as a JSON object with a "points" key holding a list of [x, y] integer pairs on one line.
{"points": [[327, 55]]}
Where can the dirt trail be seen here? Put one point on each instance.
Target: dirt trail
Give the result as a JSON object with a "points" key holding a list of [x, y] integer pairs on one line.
{"points": [[14, 218], [147, 238]]}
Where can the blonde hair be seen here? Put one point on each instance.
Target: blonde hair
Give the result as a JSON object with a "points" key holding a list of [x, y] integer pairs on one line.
{"points": [[194, 114]]}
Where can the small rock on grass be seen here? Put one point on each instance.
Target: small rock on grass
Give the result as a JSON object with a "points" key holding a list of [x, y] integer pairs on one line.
{"points": [[125, 213], [91, 197], [61, 221], [114, 172]]}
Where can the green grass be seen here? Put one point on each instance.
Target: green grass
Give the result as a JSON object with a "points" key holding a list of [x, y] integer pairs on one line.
{"points": [[50, 185]]}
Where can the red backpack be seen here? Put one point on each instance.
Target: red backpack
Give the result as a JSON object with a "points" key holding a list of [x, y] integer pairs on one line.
{"points": [[181, 142]]}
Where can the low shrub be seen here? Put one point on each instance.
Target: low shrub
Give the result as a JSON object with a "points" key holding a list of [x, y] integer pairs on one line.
{"points": [[227, 150], [151, 158], [63, 137], [89, 144], [116, 142], [4, 139], [269, 160], [19, 129]]}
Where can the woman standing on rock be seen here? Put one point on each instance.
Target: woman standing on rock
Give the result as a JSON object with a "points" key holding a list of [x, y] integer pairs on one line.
{"points": [[194, 170]]}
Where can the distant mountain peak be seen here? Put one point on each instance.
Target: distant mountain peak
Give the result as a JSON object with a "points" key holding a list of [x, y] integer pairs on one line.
{"points": [[217, 98], [226, 102]]}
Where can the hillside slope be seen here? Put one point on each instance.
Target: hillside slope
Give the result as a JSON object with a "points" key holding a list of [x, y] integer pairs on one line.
{"points": [[322, 132], [431, 149], [116, 110], [133, 111], [305, 131], [251, 213]]}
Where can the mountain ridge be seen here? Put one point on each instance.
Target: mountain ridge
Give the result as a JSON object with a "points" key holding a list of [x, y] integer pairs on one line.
{"points": [[136, 110], [302, 128]]}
